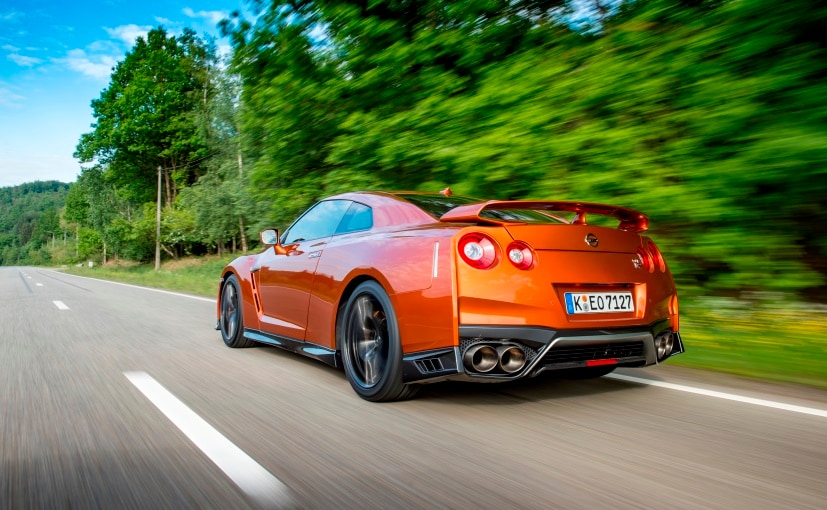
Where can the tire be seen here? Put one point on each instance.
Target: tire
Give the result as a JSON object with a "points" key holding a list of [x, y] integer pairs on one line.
{"points": [[586, 373], [231, 320], [370, 346]]}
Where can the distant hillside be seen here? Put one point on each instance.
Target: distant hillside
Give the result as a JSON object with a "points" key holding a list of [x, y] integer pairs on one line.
{"points": [[29, 220]]}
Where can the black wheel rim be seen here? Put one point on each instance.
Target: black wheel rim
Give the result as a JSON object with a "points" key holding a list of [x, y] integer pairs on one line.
{"points": [[366, 337], [229, 311]]}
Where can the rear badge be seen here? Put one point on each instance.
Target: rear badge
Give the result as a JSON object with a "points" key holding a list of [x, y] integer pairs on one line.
{"points": [[637, 262], [592, 240]]}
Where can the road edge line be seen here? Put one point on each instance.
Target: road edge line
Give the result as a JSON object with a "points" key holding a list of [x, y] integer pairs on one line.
{"points": [[722, 395]]}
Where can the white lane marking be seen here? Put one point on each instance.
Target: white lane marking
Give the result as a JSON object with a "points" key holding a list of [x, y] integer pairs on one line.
{"points": [[249, 475], [29, 277], [719, 394], [60, 305], [39, 284], [209, 300]]}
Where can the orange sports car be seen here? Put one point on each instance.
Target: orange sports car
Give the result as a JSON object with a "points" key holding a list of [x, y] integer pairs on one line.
{"points": [[407, 288]]}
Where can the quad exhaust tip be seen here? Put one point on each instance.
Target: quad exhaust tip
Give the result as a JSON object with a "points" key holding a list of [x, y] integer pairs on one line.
{"points": [[483, 358], [664, 345], [511, 358]]}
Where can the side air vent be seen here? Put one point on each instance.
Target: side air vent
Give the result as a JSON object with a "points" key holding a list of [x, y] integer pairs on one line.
{"points": [[429, 365]]}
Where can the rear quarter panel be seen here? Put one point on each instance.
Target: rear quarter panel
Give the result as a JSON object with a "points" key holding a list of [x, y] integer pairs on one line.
{"points": [[418, 282]]}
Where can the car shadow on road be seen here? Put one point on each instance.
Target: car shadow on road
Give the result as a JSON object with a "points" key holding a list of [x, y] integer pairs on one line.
{"points": [[544, 387]]}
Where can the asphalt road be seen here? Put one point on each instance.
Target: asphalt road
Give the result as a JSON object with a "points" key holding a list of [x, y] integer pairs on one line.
{"points": [[120, 397]]}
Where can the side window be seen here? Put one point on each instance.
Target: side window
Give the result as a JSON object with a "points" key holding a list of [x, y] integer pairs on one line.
{"points": [[319, 221], [358, 217]]}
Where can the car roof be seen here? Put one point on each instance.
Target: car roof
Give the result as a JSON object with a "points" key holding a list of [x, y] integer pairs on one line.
{"points": [[390, 208]]}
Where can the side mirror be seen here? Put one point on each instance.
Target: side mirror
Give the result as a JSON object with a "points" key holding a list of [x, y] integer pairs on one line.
{"points": [[269, 237]]}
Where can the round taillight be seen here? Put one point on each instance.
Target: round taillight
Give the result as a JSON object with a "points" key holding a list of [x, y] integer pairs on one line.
{"points": [[656, 256], [646, 259], [478, 250], [521, 255]]}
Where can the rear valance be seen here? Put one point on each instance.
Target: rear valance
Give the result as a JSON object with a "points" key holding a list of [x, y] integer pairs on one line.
{"points": [[630, 220]]}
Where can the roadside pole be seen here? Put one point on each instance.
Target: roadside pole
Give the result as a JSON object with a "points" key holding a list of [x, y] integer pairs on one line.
{"points": [[158, 225]]}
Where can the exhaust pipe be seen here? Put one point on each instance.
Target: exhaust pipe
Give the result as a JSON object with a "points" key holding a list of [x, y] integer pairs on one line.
{"points": [[512, 358], [664, 345], [480, 358]]}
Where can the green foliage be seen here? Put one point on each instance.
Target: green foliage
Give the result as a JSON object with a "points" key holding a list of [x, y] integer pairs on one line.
{"points": [[709, 116], [89, 243], [29, 221], [144, 118]]}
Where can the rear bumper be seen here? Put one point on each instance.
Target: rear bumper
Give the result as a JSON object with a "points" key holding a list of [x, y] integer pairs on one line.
{"points": [[544, 349]]}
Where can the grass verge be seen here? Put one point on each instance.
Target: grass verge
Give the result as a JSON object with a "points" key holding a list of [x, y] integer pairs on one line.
{"points": [[191, 275], [768, 338], [764, 338]]}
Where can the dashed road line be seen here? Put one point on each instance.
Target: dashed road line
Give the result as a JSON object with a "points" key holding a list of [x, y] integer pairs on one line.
{"points": [[39, 284], [258, 483], [726, 396], [60, 305]]}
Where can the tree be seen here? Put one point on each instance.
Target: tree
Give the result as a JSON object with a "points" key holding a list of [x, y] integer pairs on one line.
{"points": [[144, 118]]}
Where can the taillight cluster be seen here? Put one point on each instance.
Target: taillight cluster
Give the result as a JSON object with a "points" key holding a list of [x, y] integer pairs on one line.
{"points": [[478, 250], [651, 257], [482, 252]]}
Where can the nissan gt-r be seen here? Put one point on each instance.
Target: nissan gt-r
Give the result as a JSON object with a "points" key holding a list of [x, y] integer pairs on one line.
{"points": [[406, 288]]}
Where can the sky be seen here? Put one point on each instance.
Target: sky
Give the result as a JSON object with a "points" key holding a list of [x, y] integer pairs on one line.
{"points": [[56, 56]]}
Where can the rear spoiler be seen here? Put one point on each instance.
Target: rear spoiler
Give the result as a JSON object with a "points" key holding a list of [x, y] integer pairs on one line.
{"points": [[630, 220]]}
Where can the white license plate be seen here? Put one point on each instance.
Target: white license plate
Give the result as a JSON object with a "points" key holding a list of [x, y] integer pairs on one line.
{"points": [[599, 302]]}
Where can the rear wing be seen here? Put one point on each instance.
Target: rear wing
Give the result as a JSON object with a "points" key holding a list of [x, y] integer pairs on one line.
{"points": [[630, 220]]}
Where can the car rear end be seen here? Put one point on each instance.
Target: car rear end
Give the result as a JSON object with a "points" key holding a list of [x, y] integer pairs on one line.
{"points": [[539, 287]]}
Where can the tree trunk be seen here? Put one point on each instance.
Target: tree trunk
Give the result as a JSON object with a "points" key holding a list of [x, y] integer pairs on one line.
{"points": [[167, 188], [243, 234]]}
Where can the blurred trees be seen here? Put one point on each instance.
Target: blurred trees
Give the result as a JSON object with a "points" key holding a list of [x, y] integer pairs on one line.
{"points": [[30, 222], [707, 115]]}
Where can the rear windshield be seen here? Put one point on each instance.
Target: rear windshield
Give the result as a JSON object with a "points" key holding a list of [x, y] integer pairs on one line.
{"points": [[522, 216], [437, 205]]}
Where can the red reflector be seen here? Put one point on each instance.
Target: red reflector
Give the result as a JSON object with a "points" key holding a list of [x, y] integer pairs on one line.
{"points": [[598, 362]]}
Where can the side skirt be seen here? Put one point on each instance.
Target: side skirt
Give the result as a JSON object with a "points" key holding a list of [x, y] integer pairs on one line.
{"points": [[328, 356]]}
